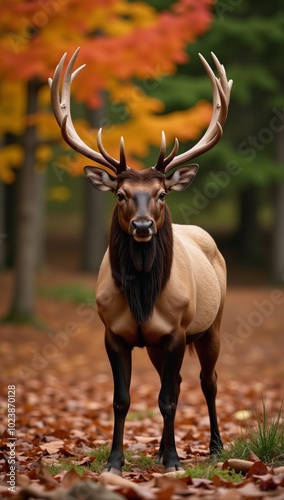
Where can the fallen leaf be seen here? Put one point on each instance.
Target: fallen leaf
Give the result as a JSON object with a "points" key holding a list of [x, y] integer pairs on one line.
{"points": [[237, 465], [258, 469], [279, 470], [219, 481], [253, 457], [177, 485], [45, 477], [242, 414], [267, 482], [250, 491], [52, 447], [110, 479]]}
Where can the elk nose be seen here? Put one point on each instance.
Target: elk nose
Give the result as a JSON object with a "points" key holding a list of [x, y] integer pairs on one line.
{"points": [[142, 228]]}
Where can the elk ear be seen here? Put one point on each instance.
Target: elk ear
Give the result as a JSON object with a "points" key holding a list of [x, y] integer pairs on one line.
{"points": [[100, 179], [181, 178]]}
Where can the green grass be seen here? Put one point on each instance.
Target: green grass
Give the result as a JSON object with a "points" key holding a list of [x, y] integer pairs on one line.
{"points": [[100, 456], [18, 318], [139, 415], [76, 293], [142, 461], [263, 436], [207, 470]]}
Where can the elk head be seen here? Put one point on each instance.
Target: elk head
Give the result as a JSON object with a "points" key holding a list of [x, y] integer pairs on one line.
{"points": [[140, 194]]}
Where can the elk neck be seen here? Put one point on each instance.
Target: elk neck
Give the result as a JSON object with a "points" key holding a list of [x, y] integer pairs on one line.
{"points": [[141, 270]]}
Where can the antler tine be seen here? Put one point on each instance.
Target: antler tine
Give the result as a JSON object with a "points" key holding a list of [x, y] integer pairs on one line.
{"points": [[221, 88], [226, 84], [61, 106], [62, 112], [54, 90], [160, 163], [67, 80], [122, 163], [172, 154], [120, 166]]}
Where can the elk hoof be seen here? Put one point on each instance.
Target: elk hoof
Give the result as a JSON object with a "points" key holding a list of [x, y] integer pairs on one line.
{"points": [[214, 457], [113, 470], [174, 468]]}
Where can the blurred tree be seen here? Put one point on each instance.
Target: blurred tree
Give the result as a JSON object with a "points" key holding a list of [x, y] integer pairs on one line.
{"points": [[249, 41], [278, 232], [139, 43], [27, 217], [94, 243], [259, 101]]}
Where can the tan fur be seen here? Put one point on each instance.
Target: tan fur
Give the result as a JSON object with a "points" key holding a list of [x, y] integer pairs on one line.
{"points": [[181, 302], [190, 301]]}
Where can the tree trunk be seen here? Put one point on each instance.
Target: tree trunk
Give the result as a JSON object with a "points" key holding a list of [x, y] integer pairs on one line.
{"points": [[94, 238], [7, 212], [26, 251], [3, 235], [278, 229], [248, 236]]}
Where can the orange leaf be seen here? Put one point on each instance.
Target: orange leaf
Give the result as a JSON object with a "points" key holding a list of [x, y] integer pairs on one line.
{"points": [[257, 469], [52, 447]]}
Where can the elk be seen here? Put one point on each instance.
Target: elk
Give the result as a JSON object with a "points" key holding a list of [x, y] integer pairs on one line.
{"points": [[161, 285]]}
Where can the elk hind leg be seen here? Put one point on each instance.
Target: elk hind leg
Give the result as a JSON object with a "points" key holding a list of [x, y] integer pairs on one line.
{"points": [[207, 348]]}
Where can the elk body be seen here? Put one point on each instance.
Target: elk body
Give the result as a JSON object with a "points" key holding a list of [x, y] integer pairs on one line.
{"points": [[161, 285]]}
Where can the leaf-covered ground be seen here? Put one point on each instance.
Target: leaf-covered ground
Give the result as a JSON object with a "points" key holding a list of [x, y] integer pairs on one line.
{"points": [[63, 400]]}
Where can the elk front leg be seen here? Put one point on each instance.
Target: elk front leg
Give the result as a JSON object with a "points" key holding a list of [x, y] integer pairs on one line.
{"points": [[119, 354], [172, 354], [156, 357]]}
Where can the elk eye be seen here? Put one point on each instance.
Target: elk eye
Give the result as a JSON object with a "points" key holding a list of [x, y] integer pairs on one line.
{"points": [[120, 196], [162, 196]]}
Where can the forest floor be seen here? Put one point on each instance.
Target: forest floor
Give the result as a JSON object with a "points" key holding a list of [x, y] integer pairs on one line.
{"points": [[63, 396]]}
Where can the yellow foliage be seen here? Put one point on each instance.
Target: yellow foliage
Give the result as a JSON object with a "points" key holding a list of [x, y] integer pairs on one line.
{"points": [[121, 40], [43, 154], [143, 130], [44, 97], [12, 107], [10, 157], [127, 17], [136, 102], [59, 193], [46, 125]]}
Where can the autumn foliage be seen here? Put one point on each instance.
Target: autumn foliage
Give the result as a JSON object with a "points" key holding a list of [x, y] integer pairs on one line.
{"points": [[122, 43]]}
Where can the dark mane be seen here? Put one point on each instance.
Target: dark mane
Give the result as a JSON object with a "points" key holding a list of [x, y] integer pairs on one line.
{"points": [[141, 270]]}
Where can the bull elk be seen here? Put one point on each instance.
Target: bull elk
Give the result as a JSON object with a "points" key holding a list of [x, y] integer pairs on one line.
{"points": [[161, 285]]}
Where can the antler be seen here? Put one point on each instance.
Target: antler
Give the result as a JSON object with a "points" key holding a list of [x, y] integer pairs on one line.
{"points": [[62, 112], [221, 96]]}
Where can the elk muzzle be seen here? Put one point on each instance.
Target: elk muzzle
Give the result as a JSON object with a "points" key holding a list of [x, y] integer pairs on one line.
{"points": [[142, 229]]}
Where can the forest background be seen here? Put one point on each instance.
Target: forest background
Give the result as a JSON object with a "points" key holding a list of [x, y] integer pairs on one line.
{"points": [[143, 75]]}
